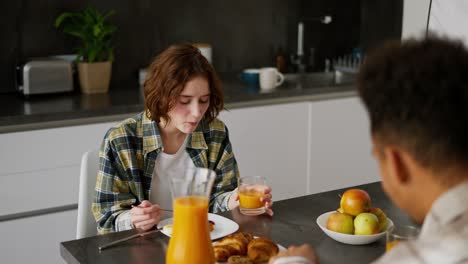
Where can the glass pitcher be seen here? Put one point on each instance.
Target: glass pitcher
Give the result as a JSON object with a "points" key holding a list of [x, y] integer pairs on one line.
{"points": [[190, 241]]}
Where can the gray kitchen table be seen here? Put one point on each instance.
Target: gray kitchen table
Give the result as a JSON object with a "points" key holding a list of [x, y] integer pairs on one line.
{"points": [[293, 223]]}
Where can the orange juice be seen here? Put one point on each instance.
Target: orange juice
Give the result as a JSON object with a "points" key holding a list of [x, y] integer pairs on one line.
{"points": [[250, 199], [391, 244], [249, 202], [251, 189], [190, 241]]}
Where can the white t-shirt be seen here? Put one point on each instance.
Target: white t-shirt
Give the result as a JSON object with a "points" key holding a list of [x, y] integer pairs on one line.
{"points": [[166, 166]]}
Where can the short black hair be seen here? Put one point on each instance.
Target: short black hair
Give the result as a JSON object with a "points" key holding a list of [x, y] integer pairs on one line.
{"points": [[416, 95]]}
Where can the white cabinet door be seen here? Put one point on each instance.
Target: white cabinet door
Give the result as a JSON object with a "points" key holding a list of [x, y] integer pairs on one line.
{"points": [[36, 239], [340, 149], [48, 148], [41, 168], [271, 141]]}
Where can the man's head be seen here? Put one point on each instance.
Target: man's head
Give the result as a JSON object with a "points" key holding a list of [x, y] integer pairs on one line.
{"points": [[416, 94]]}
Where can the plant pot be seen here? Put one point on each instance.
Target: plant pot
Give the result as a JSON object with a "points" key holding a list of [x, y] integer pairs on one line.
{"points": [[94, 77]]}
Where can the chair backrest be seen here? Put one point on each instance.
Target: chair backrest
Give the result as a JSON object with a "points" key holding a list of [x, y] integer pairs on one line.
{"points": [[86, 225]]}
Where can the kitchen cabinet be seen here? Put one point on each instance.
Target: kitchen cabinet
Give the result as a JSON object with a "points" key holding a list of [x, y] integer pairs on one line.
{"points": [[36, 239], [43, 166], [39, 179], [271, 141], [340, 145], [304, 148]]}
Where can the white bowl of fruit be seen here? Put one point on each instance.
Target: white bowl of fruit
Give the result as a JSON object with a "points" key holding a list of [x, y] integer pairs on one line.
{"points": [[355, 222]]}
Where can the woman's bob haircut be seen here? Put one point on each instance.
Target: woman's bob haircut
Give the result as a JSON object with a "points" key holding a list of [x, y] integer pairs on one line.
{"points": [[168, 75]]}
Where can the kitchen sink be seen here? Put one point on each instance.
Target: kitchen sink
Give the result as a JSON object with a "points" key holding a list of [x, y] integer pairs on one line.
{"points": [[317, 79]]}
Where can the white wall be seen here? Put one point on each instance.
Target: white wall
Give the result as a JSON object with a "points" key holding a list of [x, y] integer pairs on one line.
{"points": [[450, 19], [415, 15]]}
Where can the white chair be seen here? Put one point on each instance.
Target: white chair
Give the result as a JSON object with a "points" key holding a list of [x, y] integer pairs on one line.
{"points": [[86, 225]]}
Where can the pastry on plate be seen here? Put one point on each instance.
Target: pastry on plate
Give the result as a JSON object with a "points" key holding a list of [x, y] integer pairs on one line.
{"points": [[167, 229], [261, 250], [211, 225], [234, 244], [236, 259]]}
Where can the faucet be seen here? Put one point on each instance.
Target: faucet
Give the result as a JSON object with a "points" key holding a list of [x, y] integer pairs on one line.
{"points": [[298, 58]]}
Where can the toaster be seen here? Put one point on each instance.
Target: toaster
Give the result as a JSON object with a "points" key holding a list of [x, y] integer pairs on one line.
{"points": [[43, 76]]}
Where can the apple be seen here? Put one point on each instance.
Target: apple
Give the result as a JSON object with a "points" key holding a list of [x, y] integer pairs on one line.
{"points": [[355, 201], [382, 218], [366, 224], [341, 223], [340, 210]]}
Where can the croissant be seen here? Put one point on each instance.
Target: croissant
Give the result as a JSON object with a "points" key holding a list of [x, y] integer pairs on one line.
{"points": [[234, 244], [261, 250], [222, 253], [239, 260]]}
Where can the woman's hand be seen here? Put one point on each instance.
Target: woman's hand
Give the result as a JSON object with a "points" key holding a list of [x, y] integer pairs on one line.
{"points": [[267, 199], [145, 215], [304, 251]]}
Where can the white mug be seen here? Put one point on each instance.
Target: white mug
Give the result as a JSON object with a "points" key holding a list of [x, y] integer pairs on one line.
{"points": [[205, 50], [270, 78]]}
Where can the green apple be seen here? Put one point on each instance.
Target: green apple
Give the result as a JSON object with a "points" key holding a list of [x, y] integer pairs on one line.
{"points": [[366, 224], [341, 223], [382, 218]]}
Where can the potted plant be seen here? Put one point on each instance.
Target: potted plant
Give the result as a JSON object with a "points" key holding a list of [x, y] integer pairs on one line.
{"points": [[95, 52]]}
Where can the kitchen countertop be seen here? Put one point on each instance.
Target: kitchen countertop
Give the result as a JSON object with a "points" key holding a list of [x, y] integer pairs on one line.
{"points": [[47, 111]]}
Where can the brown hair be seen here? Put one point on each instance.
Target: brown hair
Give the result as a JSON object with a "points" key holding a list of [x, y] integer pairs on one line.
{"points": [[416, 94], [167, 76]]}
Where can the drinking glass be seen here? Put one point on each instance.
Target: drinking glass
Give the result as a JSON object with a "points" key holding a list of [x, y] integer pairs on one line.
{"points": [[251, 189], [190, 242], [397, 234]]}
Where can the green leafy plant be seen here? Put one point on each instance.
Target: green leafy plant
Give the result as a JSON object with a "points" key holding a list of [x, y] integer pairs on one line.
{"points": [[95, 33]]}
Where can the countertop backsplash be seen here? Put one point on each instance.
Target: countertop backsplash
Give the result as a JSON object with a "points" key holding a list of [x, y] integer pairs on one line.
{"points": [[243, 34]]}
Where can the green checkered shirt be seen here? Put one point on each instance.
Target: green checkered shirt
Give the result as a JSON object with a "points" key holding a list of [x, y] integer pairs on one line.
{"points": [[127, 159]]}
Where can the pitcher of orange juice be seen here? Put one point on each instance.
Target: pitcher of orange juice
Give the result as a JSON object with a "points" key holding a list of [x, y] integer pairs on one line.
{"points": [[190, 241]]}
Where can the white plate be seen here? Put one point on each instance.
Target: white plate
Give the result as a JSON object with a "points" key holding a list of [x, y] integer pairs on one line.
{"points": [[223, 226], [280, 247], [346, 238]]}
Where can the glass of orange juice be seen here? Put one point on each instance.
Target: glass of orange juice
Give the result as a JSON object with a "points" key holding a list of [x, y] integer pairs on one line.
{"points": [[190, 241], [251, 189], [397, 234]]}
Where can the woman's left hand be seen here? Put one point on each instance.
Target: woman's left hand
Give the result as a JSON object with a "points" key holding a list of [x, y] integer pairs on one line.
{"points": [[267, 198]]}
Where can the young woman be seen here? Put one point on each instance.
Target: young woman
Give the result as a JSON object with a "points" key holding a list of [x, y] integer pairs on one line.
{"points": [[177, 130]]}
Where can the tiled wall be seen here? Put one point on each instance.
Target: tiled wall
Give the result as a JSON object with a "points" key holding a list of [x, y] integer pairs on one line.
{"points": [[243, 33]]}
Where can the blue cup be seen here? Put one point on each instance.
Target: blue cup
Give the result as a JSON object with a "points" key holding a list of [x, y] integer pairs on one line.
{"points": [[251, 77]]}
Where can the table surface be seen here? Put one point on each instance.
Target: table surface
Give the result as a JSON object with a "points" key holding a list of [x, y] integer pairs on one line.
{"points": [[293, 223]]}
